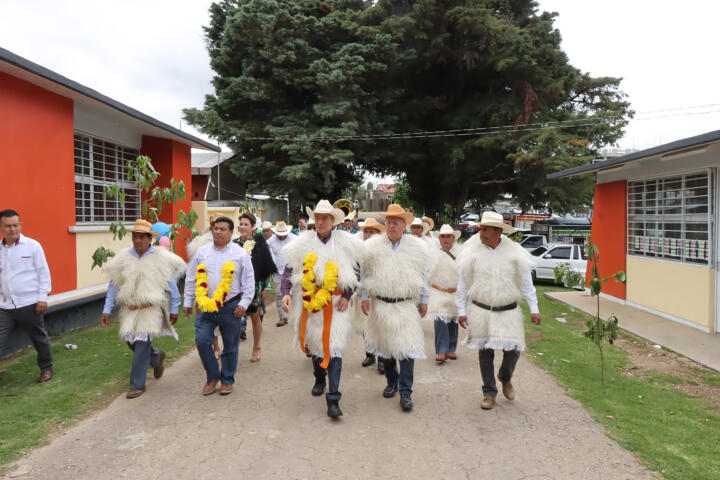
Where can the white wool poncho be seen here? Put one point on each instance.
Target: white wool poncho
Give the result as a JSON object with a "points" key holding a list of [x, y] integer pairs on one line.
{"points": [[494, 280], [140, 281], [343, 249], [394, 329]]}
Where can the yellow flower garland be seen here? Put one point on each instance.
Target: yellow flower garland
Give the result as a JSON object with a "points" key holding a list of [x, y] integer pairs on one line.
{"points": [[214, 303], [315, 299]]}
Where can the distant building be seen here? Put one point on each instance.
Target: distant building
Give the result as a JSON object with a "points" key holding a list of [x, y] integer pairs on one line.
{"points": [[375, 199]]}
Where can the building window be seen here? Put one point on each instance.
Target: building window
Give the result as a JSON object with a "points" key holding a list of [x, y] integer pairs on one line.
{"points": [[97, 164], [672, 218]]}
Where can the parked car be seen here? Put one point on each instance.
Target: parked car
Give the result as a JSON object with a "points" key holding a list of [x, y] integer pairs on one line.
{"points": [[531, 242], [551, 255], [469, 217]]}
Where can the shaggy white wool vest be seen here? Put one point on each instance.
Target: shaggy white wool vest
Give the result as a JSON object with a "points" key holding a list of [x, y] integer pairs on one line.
{"points": [[444, 273], [140, 281], [343, 249], [393, 329], [494, 279]]}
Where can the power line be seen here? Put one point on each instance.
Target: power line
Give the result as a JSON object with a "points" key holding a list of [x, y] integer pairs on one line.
{"points": [[480, 131]]}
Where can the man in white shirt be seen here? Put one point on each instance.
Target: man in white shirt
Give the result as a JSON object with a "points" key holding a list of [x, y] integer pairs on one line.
{"points": [[228, 289], [494, 276], [283, 236], [24, 288]]}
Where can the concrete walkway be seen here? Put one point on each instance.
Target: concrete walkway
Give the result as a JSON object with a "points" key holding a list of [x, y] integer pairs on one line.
{"points": [[702, 347], [272, 428]]}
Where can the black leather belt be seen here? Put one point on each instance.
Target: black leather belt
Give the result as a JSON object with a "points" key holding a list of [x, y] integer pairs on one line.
{"points": [[236, 297], [392, 300], [504, 308]]}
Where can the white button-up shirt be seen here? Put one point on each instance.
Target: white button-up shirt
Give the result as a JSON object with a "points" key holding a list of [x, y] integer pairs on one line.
{"points": [[24, 274], [276, 245], [214, 259], [526, 287]]}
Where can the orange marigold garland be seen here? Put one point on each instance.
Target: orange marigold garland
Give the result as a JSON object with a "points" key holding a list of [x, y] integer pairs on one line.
{"points": [[213, 304], [314, 299]]}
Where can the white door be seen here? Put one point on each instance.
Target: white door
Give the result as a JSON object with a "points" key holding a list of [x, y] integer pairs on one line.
{"points": [[554, 257]]}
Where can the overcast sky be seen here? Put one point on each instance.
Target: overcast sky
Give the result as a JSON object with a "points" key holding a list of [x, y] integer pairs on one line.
{"points": [[151, 55]]}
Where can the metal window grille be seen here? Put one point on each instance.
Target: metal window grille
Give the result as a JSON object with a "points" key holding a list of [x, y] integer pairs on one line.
{"points": [[671, 218], [97, 164]]}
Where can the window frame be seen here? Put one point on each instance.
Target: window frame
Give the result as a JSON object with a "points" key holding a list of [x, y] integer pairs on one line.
{"points": [[90, 157], [665, 212]]}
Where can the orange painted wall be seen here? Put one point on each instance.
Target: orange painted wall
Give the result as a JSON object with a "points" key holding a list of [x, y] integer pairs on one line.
{"points": [[199, 185], [36, 134], [608, 233], [172, 160]]}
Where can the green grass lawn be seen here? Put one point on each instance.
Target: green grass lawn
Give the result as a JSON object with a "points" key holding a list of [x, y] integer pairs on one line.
{"points": [[668, 430], [85, 379]]}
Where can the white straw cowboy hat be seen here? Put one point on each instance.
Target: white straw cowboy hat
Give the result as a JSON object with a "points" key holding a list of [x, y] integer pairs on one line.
{"points": [[493, 219], [371, 224], [143, 226], [417, 222], [266, 225], [281, 229], [447, 230], [395, 210], [326, 207]]}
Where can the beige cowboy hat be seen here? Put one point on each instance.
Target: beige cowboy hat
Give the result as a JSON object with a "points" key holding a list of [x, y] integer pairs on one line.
{"points": [[143, 226], [266, 225], [281, 229], [326, 207], [493, 219], [395, 210], [447, 230], [372, 224], [419, 223], [429, 221]]}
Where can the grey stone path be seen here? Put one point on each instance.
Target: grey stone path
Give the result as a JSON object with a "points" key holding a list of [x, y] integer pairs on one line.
{"points": [[271, 427]]}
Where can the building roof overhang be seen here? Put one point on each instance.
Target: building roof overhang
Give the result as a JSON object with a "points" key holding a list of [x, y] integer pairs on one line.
{"points": [[31, 72], [677, 148]]}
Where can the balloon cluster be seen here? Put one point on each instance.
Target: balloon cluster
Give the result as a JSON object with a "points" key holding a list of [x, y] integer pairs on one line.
{"points": [[164, 230]]}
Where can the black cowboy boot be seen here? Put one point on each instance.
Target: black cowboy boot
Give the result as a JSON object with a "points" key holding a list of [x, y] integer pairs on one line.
{"points": [[334, 409], [369, 359]]}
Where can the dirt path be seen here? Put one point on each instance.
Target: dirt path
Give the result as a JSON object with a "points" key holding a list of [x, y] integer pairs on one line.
{"points": [[271, 427]]}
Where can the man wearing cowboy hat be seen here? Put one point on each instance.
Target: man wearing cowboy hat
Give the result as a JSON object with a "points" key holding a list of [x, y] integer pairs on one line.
{"points": [[420, 228], [494, 276], [431, 224], [395, 298], [323, 330], [283, 236], [266, 228], [369, 229], [141, 279], [443, 279]]}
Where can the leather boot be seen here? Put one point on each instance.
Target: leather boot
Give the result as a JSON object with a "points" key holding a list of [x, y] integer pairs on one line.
{"points": [[319, 387], [333, 409], [369, 359]]}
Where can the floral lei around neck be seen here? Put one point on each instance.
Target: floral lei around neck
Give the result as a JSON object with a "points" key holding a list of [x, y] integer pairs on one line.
{"points": [[314, 298], [214, 303]]}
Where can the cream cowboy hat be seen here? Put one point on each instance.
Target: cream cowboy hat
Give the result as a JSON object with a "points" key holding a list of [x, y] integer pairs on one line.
{"points": [[266, 225], [281, 229], [326, 207], [493, 219], [429, 221], [395, 210], [447, 230], [419, 223], [373, 224], [143, 226]]}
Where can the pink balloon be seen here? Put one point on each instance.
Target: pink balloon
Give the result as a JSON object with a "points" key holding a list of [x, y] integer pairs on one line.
{"points": [[164, 242]]}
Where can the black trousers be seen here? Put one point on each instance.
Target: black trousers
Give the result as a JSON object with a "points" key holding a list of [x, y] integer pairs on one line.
{"points": [[32, 324], [333, 372], [487, 369]]}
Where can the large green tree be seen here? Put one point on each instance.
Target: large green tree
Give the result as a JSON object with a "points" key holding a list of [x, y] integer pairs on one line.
{"points": [[293, 69], [291, 74], [485, 64]]}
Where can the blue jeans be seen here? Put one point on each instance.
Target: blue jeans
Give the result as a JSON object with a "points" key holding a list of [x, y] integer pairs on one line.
{"points": [[333, 372], [405, 375], [446, 337], [229, 326], [145, 355]]}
